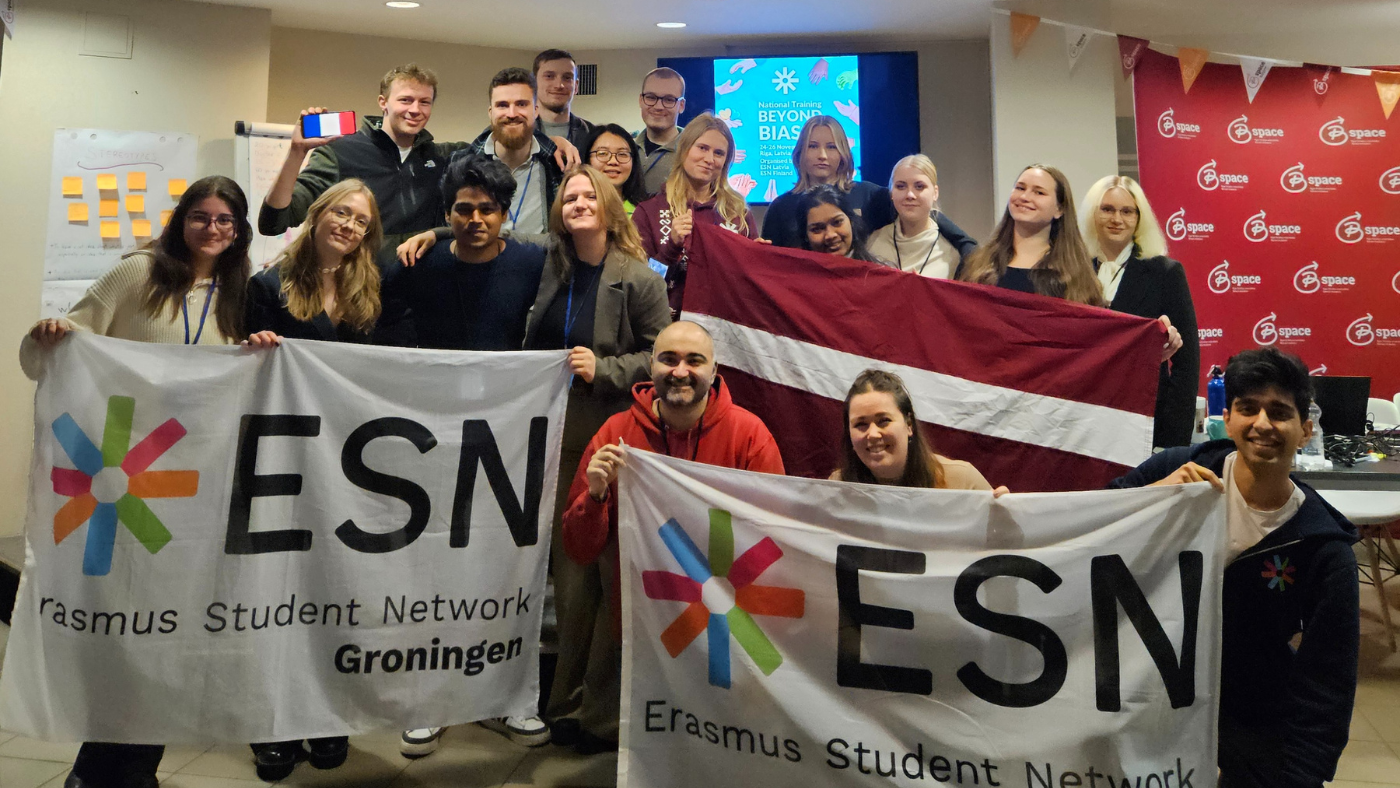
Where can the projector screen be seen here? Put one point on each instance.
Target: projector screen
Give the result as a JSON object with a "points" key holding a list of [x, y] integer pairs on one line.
{"points": [[766, 101]]}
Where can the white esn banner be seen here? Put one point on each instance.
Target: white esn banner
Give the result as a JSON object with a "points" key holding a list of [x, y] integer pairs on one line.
{"points": [[785, 631], [316, 540]]}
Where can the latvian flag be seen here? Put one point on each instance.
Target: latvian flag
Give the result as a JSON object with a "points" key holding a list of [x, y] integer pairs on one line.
{"points": [[330, 124], [1038, 393]]}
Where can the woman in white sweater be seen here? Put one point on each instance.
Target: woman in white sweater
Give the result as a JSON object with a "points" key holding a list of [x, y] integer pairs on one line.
{"points": [[922, 240], [187, 286]]}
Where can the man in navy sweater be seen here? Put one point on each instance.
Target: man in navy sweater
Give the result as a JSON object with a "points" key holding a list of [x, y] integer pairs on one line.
{"points": [[1284, 712]]}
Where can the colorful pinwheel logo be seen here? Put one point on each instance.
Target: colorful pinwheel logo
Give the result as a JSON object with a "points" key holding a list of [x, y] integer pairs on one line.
{"points": [[722, 595], [1278, 571], [112, 483]]}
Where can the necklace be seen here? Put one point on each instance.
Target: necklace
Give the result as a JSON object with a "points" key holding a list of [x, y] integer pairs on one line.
{"points": [[331, 269]]}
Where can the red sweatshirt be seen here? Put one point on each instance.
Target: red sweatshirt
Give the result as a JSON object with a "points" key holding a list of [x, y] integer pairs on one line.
{"points": [[653, 220], [727, 436]]}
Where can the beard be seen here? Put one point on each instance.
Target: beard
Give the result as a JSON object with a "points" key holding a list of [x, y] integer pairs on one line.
{"points": [[512, 135], [681, 392]]}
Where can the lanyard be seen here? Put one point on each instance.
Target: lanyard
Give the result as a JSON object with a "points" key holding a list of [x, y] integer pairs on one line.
{"points": [[185, 310], [569, 317], [894, 237], [524, 193], [666, 443]]}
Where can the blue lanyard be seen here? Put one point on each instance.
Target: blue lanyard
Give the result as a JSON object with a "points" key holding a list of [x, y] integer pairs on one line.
{"points": [[524, 194], [569, 317], [185, 310]]}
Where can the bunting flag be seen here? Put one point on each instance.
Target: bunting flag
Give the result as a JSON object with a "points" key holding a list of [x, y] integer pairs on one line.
{"points": [[1022, 26], [1255, 71], [1321, 79], [1130, 51], [1192, 61], [1388, 86], [1076, 41]]}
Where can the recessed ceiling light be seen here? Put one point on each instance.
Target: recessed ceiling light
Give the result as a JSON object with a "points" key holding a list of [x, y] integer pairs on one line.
{"points": [[670, 25], [401, 4]]}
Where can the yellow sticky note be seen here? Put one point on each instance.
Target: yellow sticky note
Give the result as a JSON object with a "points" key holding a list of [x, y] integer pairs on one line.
{"points": [[141, 228], [177, 187], [107, 182], [107, 209], [136, 203], [136, 181], [111, 230], [77, 211], [165, 218], [72, 186]]}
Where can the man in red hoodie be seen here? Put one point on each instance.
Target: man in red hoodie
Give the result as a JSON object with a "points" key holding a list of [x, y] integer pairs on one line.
{"points": [[685, 411]]}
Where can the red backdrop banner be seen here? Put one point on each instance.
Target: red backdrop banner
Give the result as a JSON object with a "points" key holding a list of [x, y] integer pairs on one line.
{"points": [[1285, 213]]}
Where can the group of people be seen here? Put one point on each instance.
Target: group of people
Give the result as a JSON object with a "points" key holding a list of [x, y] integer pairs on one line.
{"points": [[548, 232]]}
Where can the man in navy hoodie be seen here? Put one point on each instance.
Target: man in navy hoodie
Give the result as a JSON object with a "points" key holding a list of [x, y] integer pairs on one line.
{"points": [[1284, 712]]}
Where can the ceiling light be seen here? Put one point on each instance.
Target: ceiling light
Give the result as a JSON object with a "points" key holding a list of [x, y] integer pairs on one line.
{"points": [[401, 4], [671, 25]]}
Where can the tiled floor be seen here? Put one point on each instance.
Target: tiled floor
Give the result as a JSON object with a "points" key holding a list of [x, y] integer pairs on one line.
{"points": [[472, 757]]}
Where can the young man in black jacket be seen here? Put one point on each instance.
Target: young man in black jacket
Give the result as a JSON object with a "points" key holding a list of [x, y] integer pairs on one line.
{"points": [[1284, 712]]}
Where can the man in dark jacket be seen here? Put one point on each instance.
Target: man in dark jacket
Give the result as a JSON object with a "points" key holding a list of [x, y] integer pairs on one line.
{"points": [[556, 80], [396, 157], [1284, 712]]}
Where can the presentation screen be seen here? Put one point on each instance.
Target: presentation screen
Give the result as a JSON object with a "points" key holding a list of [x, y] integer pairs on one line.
{"points": [[766, 101]]}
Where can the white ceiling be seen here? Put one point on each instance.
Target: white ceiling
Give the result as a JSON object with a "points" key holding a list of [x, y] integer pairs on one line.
{"points": [[631, 24]]}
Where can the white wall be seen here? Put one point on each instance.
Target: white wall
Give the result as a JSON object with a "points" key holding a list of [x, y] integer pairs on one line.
{"points": [[1043, 113], [194, 67]]}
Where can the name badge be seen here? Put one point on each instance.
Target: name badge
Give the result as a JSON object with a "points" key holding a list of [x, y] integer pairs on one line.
{"points": [[658, 266]]}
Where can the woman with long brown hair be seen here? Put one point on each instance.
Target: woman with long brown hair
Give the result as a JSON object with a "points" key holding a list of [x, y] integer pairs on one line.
{"points": [[697, 191], [1037, 247], [599, 299], [325, 284], [882, 442], [822, 157], [185, 287]]}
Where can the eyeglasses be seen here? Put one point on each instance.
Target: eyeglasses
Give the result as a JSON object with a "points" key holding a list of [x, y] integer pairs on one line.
{"points": [[1107, 211], [200, 220], [605, 156], [668, 102], [347, 218]]}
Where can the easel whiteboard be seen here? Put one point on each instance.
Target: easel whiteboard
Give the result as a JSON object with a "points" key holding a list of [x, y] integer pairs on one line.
{"points": [[258, 152]]}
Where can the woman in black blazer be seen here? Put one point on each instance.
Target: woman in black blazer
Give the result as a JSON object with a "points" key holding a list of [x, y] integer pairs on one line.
{"points": [[1130, 257]]}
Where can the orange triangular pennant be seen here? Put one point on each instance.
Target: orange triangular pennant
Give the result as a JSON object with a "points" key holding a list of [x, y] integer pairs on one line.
{"points": [[1192, 61], [1022, 26], [1388, 86]]}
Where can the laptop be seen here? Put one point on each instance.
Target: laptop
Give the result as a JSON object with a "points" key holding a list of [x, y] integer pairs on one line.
{"points": [[1343, 400]]}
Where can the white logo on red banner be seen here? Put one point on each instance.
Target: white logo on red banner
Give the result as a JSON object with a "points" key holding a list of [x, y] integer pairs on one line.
{"points": [[1395, 282], [1210, 179], [1210, 336], [1239, 131], [1258, 230], [1178, 229], [1390, 181], [1267, 332], [1295, 181], [1307, 280], [1222, 281], [1350, 230], [1335, 132], [1321, 370], [1359, 333], [1168, 126]]}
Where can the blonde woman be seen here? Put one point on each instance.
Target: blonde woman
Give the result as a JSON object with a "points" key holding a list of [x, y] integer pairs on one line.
{"points": [[822, 157], [1130, 256], [697, 191], [922, 240], [600, 300]]}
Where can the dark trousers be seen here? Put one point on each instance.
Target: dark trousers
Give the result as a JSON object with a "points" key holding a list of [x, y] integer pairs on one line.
{"points": [[102, 764], [1248, 757]]}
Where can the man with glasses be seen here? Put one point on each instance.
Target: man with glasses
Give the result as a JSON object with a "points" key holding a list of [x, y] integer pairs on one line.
{"points": [[556, 78], [662, 102], [396, 157]]}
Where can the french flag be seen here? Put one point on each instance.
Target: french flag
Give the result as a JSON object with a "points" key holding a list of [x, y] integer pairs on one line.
{"points": [[329, 124], [1038, 393]]}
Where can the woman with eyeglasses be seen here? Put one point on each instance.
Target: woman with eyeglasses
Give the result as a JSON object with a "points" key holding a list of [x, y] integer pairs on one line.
{"points": [[185, 287], [822, 157], [697, 191], [1130, 257], [612, 151], [598, 299]]}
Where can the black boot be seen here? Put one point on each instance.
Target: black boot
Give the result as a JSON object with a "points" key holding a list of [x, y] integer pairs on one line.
{"points": [[276, 760], [328, 753]]}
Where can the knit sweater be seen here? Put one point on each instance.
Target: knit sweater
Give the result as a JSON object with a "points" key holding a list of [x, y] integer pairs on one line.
{"points": [[115, 307]]}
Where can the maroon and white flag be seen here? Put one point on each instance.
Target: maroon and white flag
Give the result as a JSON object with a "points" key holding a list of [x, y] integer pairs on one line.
{"points": [[1038, 393]]}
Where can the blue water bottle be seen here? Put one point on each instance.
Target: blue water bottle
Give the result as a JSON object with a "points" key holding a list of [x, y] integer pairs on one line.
{"points": [[1215, 392]]}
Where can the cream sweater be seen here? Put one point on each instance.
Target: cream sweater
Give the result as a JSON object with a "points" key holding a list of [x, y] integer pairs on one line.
{"points": [[113, 307]]}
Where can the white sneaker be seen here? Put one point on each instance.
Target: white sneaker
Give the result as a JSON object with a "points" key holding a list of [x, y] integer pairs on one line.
{"points": [[529, 731], [420, 741]]}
